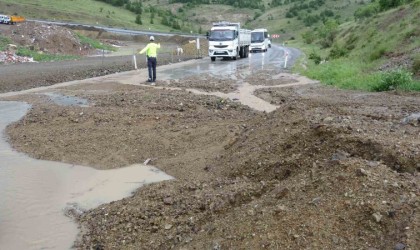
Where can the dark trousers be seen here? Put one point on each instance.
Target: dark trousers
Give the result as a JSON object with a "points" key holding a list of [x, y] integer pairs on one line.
{"points": [[151, 65]]}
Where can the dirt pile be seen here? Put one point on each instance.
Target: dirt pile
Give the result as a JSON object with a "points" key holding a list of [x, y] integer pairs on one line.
{"points": [[329, 169], [46, 38], [9, 57]]}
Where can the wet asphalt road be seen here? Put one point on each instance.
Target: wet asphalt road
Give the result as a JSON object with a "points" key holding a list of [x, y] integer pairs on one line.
{"points": [[23, 76], [274, 58]]}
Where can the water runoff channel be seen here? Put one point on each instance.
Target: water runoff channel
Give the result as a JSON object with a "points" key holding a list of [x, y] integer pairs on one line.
{"points": [[36, 193]]}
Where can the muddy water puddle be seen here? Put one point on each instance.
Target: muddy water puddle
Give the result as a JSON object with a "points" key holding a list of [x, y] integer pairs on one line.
{"points": [[64, 100], [35, 193]]}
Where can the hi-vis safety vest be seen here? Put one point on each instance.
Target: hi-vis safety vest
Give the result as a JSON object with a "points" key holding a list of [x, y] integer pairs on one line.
{"points": [[151, 49]]}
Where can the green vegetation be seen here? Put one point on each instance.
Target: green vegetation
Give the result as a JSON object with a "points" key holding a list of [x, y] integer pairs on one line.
{"points": [[95, 43], [83, 12], [4, 41], [251, 4], [40, 57], [395, 79], [350, 44], [416, 64], [355, 51], [43, 57], [344, 74]]}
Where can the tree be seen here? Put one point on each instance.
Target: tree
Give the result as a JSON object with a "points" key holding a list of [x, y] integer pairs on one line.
{"points": [[388, 4], [138, 19]]}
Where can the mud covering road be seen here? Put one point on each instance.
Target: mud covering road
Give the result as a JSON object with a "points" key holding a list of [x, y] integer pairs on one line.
{"points": [[328, 169], [46, 74]]}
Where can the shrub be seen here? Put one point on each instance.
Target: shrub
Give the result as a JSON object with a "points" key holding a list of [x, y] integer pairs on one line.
{"points": [[416, 65], [308, 36], [366, 11], [4, 41], [138, 20], [388, 4], [338, 51], [377, 53], [394, 79], [257, 14], [314, 56]]}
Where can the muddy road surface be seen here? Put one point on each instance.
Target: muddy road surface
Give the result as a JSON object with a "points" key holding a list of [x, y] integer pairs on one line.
{"points": [[260, 158]]}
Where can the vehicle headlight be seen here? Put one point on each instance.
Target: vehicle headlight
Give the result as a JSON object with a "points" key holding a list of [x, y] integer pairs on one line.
{"points": [[210, 51]]}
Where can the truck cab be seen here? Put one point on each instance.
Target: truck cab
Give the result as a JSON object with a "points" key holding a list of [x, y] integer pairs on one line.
{"points": [[6, 20], [228, 40], [260, 40]]}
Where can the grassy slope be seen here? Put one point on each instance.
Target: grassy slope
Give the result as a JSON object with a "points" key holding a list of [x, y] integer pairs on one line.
{"points": [[374, 41], [390, 38], [79, 11]]}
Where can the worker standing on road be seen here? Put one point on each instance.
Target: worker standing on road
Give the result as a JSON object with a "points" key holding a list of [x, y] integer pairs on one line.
{"points": [[151, 54]]}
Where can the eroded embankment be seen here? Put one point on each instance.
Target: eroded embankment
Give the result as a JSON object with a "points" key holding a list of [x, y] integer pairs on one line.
{"points": [[318, 172]]}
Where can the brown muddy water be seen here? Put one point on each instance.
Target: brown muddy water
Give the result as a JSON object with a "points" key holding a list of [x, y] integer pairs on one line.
{"points": [[35, 193]]}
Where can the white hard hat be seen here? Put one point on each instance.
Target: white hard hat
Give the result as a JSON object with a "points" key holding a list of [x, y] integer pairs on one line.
{"points": [[152, 38]]}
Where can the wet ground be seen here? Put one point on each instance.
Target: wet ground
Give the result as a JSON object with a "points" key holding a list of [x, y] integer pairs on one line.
{"points": [[261, 159], [36, 193]]}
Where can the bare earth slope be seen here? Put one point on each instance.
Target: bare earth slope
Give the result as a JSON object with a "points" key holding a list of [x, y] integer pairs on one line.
{"points": [[329, 169]]}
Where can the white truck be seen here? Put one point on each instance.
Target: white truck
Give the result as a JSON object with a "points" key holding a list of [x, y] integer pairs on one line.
{"points": [[260, 40], [228, 40]]}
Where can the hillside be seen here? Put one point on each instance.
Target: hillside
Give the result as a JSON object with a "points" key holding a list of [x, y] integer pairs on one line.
{"points": [[364, 39], [375, 53], [79, 11], [326, 169]]}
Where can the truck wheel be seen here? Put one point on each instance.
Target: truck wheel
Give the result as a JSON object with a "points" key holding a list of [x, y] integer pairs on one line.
{"points": [[237, 53], [213, 58]]}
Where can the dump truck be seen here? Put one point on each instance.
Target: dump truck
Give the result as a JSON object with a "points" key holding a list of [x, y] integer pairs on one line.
{"points": [[12, 19], [228, 40]]}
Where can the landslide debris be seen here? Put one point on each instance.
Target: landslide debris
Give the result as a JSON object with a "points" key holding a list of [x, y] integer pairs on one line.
{"points": [[329, 169]]}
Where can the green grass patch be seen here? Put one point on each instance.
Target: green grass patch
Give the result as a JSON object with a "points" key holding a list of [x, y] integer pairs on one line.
{"points": [[413, 86], [42, 57], [4, 41], [396, 79], [95, 43], [416, 64], [347, 74], [343, 74]]}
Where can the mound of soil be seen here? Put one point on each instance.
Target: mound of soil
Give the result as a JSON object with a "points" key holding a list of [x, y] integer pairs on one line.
{"points": [[329, 169], [46, 38]]}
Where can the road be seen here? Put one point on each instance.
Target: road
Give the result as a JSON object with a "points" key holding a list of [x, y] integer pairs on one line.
{"points": [[23, 76], [274, 58], [118, 30]]}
